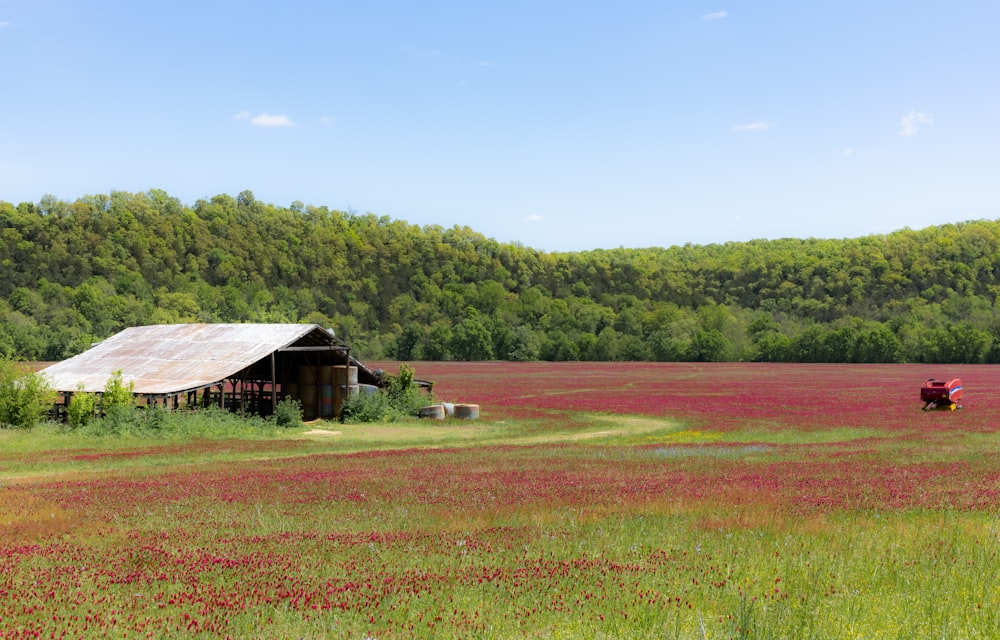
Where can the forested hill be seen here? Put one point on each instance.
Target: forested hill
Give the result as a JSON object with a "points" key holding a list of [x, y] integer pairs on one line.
{"points": [[77, 272]]}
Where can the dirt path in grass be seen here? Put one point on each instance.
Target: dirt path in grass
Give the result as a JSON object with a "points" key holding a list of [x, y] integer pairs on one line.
{"points": [[606, 427], [359, 438], [432, 432]]}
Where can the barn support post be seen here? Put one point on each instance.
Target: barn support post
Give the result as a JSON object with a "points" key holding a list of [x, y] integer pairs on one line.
{"points": [[243, 393], [347, 380], [318, 401], [274, 387]]}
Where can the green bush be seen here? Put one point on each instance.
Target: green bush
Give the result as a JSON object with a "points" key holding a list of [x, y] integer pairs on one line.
{"points": [[159, 421], [151, 419], [400, 398], [368, 407], [118, 414], [118, 406], [121, 416], [404, 395], [213, 422], [288, 413], [82, 409], [25, 398], [117, 393]]}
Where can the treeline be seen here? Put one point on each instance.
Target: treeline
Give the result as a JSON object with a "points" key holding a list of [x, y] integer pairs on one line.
{"points": [[76, 272]]}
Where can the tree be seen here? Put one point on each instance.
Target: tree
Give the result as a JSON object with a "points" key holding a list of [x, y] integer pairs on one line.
{"points": [[76, 272], [25, 397], [878, 344], [471, 340], [810, 345], [772, 346], [118, 404], [523, 345], [708, 345], [246, 198], [559, 347], [436, 345], [408, 341], [82, 409]]}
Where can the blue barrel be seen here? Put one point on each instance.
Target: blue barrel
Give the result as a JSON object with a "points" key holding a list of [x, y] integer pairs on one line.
{"points": [[326, 400]]}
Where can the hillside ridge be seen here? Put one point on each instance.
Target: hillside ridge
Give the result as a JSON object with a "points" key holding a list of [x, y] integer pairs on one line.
{"points": [[80, 271]]}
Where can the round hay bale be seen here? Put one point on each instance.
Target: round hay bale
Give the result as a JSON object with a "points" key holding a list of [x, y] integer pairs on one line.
{"points": [[467, 411], [326, 374], [433, 412], [449, 408], [345, 375], [310, 401], [307, 374]]}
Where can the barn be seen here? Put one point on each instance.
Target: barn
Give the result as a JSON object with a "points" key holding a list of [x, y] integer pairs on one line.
{"points": [[247, 368]]}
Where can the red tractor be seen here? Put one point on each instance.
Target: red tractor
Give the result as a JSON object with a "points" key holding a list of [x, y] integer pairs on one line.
{"points": [[938, 394]]}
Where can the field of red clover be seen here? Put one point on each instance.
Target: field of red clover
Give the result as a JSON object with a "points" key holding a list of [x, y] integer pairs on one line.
{"points": [[590, 500]]}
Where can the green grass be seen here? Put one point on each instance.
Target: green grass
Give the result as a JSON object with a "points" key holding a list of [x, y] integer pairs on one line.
{"points": [[494, 529]]}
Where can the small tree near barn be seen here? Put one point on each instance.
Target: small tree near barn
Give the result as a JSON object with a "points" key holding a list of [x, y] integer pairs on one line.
{"points": [[25, 398]]}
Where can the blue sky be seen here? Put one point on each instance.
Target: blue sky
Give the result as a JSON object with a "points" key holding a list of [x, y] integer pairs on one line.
{"points": [[564, 126]]}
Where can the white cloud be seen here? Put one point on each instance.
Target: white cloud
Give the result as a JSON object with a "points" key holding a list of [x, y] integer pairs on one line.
{"points": [[912, 121], [264, 119], [755, 126], [325, 120], [718, 15], [533, 218], [267, 120], [849, 151]]}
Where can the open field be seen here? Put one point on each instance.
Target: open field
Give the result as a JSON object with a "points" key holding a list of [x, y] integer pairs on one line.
{"points": [[590, 500]]}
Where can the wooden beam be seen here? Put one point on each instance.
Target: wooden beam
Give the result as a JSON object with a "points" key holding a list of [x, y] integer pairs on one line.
{"points": [[274, 387]]}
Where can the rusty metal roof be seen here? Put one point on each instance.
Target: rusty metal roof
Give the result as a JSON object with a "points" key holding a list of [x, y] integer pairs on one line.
{"points": [[165, 359]]}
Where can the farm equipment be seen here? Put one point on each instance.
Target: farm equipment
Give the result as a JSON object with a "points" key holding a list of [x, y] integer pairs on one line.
{"points": [[938, 394]]}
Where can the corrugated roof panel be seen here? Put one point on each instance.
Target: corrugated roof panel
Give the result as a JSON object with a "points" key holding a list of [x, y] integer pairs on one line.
{"points": [[162, 359]]}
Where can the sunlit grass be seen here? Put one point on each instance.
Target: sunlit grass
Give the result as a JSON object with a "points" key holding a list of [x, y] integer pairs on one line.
{"points": [[791, 436], [555, 525]]}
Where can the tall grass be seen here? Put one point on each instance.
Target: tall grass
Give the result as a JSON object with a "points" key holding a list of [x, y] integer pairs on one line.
{"points": [[209, 526]]}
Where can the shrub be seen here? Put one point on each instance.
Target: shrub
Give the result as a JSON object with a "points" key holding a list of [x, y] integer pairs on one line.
{"points": [[118, 408], [213, 422], [25, 398], [288, 413], [399, 399], [117, 393], [154, 418], [368, 407], [122, 417], [404, 395], [160, 421], [81, 410]]}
